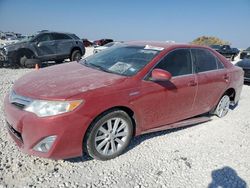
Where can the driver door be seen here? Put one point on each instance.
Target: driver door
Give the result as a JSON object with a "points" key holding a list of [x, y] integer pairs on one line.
{"points": [[170, 101]]}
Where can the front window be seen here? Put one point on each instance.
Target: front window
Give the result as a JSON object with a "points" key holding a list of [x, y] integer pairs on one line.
{"points": [[122, 60], [43, 38], [177, 62]]}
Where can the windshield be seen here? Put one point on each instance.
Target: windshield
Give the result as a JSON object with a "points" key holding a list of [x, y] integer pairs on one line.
{"points": [[122, 60], [110, 44]]}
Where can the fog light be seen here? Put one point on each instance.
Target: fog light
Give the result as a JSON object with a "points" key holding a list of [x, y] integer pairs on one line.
{"points": [[45, 144]]}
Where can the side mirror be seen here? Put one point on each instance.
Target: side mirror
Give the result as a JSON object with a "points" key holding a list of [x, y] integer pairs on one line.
{"points": [[160, 75]]}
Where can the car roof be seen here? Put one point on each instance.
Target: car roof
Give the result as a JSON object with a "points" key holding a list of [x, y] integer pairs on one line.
{"points": [[39, 32], [163, 44]]}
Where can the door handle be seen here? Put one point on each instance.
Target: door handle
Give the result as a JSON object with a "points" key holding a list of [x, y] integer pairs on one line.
{"points": [[226, 77], [192, 83]]}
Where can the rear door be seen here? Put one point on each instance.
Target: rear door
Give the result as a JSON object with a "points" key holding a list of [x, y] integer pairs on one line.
{"points": [[170, 101], [212, 79], [63, 44]]}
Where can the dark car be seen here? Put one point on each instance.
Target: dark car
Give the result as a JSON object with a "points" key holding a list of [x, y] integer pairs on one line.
{"points": [[102, 42], [86, 43], [245, 65], [226, 51], [245, 53], [97, 105], [43, 46]]}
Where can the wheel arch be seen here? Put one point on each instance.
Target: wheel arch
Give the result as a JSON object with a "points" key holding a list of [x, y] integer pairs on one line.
{"points": [[231, 93], [25, 51], [76, 48], [126, 109]]}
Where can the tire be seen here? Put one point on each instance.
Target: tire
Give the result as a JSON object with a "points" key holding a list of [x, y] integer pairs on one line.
{"points": [[22, 56], [31, 63], [222, 107], [76, 55], [22, 61], [109, 135], [1, 64]]}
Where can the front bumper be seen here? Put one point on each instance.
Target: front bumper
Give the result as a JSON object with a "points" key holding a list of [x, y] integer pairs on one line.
{"points": [[27, 130]]}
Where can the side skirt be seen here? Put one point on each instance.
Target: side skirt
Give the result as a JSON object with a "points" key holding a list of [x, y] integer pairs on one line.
{"points": [[183, 123]]}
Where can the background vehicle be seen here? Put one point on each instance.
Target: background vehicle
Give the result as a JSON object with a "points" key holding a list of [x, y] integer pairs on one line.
{"points": [[100, 48], [86, 43], [127, 90], [245, 53], [226, 51], [102, 42], [44, 46], [245, 65]]}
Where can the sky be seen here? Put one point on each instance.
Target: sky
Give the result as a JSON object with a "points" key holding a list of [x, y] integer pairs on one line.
{"points": [[152, 20]]}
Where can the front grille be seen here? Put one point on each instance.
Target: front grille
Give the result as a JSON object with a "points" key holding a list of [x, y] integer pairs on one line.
{"points": [[14, 132], [246, 73], [19, 101]]}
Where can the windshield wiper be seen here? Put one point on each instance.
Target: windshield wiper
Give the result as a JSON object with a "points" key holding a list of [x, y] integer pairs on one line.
{"points": [[84, 62], [96, 66], [100, 67]]}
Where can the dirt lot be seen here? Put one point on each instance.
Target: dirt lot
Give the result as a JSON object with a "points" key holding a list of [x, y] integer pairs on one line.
{"points": [[216, 153]]}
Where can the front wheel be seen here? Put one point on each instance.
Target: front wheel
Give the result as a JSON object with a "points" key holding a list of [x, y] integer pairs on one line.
{"points": [[222, 107], [109, 135]]}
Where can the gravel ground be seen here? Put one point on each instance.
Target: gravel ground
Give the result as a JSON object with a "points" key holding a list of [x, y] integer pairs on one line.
{"points": [[212, 154]]}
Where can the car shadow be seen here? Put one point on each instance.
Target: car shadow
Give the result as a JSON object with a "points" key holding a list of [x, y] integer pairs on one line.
{"points": [[226, 177], [134, 142], [232, 107]]}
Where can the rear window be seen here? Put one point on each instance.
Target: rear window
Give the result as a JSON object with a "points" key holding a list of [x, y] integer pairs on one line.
{"points": [[60, 36], [204, 60], [220, 65], [74, 36]]}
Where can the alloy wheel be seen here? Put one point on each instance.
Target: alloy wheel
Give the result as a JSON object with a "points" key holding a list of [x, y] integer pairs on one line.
{"points": [[223, 106], [111, 136]]}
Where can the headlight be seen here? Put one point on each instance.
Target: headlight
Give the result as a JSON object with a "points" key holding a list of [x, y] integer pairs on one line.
{"points": [[50, 108], [4, 51]]}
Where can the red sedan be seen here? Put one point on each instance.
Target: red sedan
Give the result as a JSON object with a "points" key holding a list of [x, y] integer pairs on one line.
{"points": [[97, 105]]}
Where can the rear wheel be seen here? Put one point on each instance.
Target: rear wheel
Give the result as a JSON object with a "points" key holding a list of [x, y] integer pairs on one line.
{"points": [[222, 107], [109, 135], [76, 55]]}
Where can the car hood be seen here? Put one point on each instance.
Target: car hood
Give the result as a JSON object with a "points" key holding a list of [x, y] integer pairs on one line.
{"points": [[244, 63], [15, 45], [101, 48], [63, 81]]}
